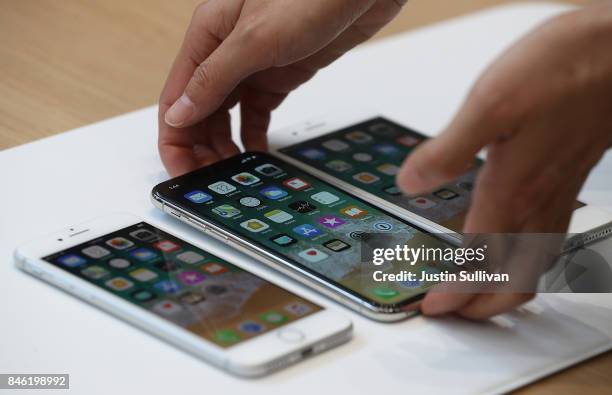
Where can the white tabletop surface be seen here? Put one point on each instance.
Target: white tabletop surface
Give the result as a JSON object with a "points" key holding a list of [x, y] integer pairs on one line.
{"points": [[418, 78]]}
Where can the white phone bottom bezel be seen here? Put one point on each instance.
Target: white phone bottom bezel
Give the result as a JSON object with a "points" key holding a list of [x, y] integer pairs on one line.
{"points": [[256, 357]]}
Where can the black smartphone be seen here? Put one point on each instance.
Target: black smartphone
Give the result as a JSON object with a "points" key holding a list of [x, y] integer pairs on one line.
{"points": [[300, 224]]}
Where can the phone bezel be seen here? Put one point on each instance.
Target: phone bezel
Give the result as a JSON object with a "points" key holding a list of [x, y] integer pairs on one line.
{"points": [[219, 230], [252, 358]]}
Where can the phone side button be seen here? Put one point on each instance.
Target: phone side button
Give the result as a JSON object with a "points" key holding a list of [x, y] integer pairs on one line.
{"points": [[218, 235], [172, 212], [290, 335]]}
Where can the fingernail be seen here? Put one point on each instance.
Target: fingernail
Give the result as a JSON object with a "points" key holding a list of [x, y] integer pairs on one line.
{"points": [[180, 112]]}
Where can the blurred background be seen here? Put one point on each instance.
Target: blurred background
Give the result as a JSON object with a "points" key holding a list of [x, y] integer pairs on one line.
{"points": [[67, 63]]}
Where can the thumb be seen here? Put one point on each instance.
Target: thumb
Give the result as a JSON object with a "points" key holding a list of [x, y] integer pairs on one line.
{"points": [[213, 80], [450, 155]]}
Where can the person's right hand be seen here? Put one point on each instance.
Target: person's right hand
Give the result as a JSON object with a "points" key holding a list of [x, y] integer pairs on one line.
{"points": [[252, 52]]}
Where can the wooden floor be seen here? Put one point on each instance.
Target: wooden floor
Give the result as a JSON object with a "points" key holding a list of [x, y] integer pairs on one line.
{"points": [[67, 63]]}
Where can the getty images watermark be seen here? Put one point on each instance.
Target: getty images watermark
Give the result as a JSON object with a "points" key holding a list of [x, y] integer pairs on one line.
{"points": [[413, 256], [526, 262]]}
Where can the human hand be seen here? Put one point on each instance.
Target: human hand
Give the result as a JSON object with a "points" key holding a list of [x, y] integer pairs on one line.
{"points": [[252, 52], [543, 110]]}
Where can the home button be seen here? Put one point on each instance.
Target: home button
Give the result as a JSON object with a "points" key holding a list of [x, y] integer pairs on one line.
{"points": [[291, 335]]}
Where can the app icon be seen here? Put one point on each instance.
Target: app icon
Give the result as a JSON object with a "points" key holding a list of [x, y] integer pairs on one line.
{"points": [[71, 260], [167, 286], [245, 178], [268, 170], [307, 230], [336, 145], [166, 246], [213, 268], [408, 141], [298, 308], [302, 206], [254, 225], [226, 336], [95, 272], [273, 317], [358, 235], [339, 165], [336, 245], [198, 196], [191, 298], [358, 137], [250, 201], [226, 211], [273, 193], [119, 284], [331, 221], [167, 266], [296, 184], [144, 235], [382, 226], [191, 277], [143, 295], [95, 252], [119, 243], [251, 327], [386, 149], [325, 198], [283, 240], [354, 212], [313, 153], [383, 129], [385, 292], [388, 169], [167, 307], [119, 263], [222, 187], [446, 194], [313, 255], [189, 257], [392, 190], [422, 203], [143, 274], [216, 289], [278, 216], [362, 157], [366, 177]]}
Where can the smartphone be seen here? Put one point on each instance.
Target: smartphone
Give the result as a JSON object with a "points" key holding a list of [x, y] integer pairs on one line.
{"points": [[178, 292], [300, 225], [363, 155]]}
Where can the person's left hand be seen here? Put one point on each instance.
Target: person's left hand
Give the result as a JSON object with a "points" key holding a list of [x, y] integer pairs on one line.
{"points": [[543, 110]]}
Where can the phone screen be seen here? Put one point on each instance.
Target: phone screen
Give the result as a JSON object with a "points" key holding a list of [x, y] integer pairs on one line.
{"points": [[183, 284], [369, 155], [299, 218]]}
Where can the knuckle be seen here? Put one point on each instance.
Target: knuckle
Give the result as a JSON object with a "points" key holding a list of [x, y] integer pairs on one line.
{"points": [[253, 30], [200, 80], [201, 9], [493, 98]]}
